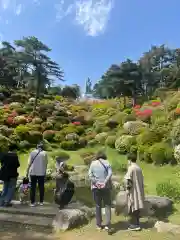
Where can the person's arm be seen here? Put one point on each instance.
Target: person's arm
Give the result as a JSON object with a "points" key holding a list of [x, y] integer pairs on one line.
{"points": [[91, 175], [128, 179], [29, 165], [109, 174], [46, 160]]}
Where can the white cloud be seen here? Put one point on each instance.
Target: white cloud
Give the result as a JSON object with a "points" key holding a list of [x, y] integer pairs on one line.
{"points": [[18, 9], [92, 15]]}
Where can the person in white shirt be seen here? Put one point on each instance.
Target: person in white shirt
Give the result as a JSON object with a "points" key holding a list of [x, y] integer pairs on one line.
{"points": [[37, 166]]}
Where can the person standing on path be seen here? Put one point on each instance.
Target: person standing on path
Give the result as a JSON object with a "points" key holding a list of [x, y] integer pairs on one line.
{"points": [[134, 183], [100, 173], [8, 174], [37, 166]]}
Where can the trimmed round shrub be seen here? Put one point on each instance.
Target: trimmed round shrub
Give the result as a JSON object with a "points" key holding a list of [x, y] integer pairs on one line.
{"points": [[22, 131], [60, 112], [144, 153], [62, 156], [112, 124], [82, 142], [120, 118], [49, 135], [148, 137], [15, 105], [20, 120], [23, 145], [101, 137], [161, 153], [110, 141], [21, 111], [37, 120], [88, 157], [92, 143], [4, 130], [169, 189], [71, 136], [70, 145], [47, 125], [58, 137], [124, 143], [35, 137], [4, 143], [134, 127], [32, 100], [58, 126], [99, 126]]}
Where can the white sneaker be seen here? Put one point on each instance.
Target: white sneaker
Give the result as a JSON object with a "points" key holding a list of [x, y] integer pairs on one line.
{"points": [[41, 203], [32, 205]]}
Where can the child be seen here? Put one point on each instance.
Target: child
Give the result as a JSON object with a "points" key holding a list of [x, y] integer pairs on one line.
{"points": [[24, 190], [64, 188]]}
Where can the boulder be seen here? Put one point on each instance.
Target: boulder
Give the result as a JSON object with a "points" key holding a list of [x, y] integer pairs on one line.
{"points": [[74, 215], [155, 206], [165, 227]]}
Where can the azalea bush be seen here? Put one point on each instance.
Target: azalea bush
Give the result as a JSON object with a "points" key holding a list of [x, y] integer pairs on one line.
{"points": [[124, 143], [134, 127], [49, 135], [101, 137]]}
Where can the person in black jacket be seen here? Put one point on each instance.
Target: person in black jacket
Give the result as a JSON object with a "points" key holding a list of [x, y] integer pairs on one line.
{"points": [[64, 188], [8, 174]]}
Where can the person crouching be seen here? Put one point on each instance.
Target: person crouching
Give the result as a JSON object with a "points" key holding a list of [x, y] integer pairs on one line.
{"points": [[64, 187], [24, 191]]}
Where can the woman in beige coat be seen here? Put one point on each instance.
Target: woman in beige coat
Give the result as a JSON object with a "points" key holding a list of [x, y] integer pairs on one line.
{"points": [[135, 191]]}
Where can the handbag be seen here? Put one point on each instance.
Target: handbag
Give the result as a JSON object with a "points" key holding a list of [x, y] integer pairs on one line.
{"points": [[110, 180], [32, 163]]}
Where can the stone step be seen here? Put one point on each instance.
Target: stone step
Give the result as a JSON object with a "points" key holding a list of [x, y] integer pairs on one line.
{"points": [[48, 210], [37, 221]]}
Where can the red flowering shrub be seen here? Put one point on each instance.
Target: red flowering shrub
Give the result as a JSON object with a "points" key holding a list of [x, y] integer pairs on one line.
{"points": [[137, 107], [144, 115], [177, 111], [155, 104], [10, 121]]}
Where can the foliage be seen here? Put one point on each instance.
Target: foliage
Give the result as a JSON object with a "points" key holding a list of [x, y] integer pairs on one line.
{"points": [[177, 153], [148, 137], [70, 145], [88, 157], [169, 189], [101, 137], [175, 132], [71, 136], [134, 127], [49, 135], [110, 141], [4, 143], [161, 153], [124, 143]]}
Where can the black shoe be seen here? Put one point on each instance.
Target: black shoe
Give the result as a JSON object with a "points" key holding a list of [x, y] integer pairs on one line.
{"points": [[7, 204], [109, 230]]}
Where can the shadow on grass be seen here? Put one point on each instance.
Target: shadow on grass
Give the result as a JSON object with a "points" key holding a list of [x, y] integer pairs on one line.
{"points": [[123, 225]]}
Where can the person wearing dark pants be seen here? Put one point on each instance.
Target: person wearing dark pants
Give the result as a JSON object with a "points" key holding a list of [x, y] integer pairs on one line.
{"points": [[8, 174], [100, 173], [102, 197], [36, 170], [34, 181]]}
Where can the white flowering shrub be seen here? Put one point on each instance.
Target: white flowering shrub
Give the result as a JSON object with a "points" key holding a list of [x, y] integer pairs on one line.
{"points": [[32, 100], [101, 137], [124, 143], [177, 153], [15, 105], [71, 137], [134, 127]]}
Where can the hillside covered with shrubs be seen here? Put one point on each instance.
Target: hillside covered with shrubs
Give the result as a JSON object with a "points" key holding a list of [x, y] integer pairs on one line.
{"points": [[151, 129]]}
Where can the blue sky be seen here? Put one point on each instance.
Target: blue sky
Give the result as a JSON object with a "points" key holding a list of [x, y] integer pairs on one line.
{"points": [[87, 36]]}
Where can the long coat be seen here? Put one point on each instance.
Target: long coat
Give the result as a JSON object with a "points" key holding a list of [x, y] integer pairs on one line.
{"points": [[135, 198]]}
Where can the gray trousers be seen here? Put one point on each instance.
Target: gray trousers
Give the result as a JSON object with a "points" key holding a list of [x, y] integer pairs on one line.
{"points": [[102, 197]]}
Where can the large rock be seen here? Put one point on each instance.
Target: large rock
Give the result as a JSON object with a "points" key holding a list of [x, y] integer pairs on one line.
{"points": [[74, 215], [155, 206], [167, 227]]}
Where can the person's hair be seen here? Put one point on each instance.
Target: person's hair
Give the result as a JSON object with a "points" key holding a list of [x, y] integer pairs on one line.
{"points": [[12, 147], [101, 155], [40, 145], [132, 157], [25, 181]]}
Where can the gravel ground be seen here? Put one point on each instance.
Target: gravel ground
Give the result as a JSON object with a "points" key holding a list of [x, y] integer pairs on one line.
{"points": [[19, 231]]}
